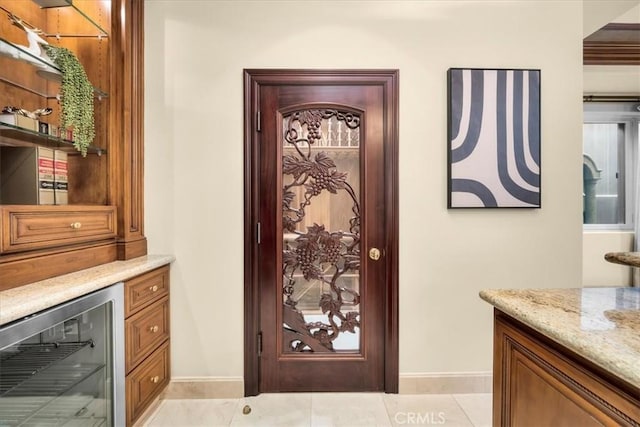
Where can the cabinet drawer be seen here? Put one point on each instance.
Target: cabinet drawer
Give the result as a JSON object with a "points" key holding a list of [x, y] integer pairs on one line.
{"points": [[37, 227], [146, 330], [145, 289], [146, 382]]}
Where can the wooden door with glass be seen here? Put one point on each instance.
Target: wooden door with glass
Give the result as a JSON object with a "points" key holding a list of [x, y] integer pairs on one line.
{"points": [[321, 231]]}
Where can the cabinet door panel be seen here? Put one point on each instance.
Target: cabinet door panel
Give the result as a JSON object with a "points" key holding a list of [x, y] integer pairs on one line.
{"points": [[539, 382]]}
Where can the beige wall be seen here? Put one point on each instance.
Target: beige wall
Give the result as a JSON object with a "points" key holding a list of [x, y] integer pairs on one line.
{"points": [[195, 53], [596, 271], [608, 79]]}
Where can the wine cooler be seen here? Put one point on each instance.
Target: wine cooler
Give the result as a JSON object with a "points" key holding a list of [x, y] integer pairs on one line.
{"points": [[65, 366]]}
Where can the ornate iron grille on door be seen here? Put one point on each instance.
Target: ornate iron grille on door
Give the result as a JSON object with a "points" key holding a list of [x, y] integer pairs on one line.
{"points": [[321, 231]]}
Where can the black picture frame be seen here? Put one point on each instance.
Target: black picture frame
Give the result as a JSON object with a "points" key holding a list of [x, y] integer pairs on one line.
{"points": [[494, 138]]}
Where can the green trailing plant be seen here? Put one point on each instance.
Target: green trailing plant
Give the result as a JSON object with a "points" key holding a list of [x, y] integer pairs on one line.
{"points": [[76, 97]]}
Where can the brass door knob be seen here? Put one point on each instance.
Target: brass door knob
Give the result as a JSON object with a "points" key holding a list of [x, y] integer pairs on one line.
{"points": [[155, 379], [76, 225], [374, 254], [154, 288], [154, 329]]}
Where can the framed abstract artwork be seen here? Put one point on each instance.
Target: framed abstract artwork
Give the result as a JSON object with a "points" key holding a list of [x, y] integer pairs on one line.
{"points": [[493, 138]]}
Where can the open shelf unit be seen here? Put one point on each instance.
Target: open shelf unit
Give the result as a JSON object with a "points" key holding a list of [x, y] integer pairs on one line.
{"points": [[14, 136]]}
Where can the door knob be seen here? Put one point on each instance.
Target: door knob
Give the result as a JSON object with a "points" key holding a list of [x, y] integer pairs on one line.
{"points": [[374, 254]]}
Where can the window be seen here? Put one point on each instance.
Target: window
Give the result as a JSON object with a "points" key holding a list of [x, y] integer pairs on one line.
{"points": [[610, 144]]}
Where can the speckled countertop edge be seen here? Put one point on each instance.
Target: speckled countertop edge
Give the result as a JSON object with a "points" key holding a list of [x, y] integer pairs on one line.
{"points": [[607, 349], [22, 301]]}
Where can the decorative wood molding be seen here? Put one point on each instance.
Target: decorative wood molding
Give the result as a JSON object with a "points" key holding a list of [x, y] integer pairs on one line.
{"points": [[131, 248], [127, 119], [17, 271], [613, 44]]}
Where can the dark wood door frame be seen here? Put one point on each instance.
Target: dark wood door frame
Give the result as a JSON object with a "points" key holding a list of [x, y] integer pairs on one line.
{"points": [[253, 79]]}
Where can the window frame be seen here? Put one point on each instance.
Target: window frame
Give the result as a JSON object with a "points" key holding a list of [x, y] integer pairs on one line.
{"points": [[629, 117]]}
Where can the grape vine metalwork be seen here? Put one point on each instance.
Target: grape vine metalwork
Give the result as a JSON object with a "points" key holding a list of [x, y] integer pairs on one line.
{"points": [[318, 254]]}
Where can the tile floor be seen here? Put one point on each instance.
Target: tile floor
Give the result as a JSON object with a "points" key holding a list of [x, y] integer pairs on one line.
{"points": [[327, 409]]}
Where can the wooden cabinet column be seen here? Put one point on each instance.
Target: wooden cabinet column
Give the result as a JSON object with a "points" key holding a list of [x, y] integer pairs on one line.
{"points": [[127, 126]]}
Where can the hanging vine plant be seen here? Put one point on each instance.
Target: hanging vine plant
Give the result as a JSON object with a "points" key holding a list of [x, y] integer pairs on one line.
{"points": [[76, 97]]}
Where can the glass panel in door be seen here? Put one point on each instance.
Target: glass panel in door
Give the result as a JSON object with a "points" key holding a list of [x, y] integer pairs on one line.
{"points": [[61, 376], [321, 231]]}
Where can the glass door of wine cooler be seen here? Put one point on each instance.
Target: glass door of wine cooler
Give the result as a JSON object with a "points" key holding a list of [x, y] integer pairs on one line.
{"points": [[64, 366]]}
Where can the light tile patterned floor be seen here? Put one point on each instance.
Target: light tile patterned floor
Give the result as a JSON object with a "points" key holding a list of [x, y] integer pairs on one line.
{"points": [[327, 409]]}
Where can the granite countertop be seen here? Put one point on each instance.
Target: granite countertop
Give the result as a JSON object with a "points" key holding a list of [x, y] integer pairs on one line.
{"points": [[600, 324], [625, 258], [22, 301]]}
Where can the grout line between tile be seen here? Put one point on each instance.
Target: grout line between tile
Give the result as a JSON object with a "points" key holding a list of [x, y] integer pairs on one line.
{"points": [[464, 411]]}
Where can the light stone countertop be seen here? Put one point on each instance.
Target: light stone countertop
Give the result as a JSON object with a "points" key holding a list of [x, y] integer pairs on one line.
{"points": [[625, 258], [600, 324], [22, 301]]}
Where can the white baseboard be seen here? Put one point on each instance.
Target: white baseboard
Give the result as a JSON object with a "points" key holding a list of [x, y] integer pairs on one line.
{"points": [[204, 388], [446, 383]]}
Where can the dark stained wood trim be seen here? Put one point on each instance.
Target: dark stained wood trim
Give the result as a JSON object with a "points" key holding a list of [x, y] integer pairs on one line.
{"points": [[21, 270], [252, 79], [251, 291], [613, 44], [611, 54], [392, 367]]}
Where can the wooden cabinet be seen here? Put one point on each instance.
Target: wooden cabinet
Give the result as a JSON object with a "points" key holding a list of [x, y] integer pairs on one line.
{"points": [[27, 229], [103, 220], [539, 382], [146, 339]]}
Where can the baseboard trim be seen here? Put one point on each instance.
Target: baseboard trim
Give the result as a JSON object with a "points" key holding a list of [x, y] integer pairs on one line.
{"points": [[204, 388], [410, 383], [446, 383]]}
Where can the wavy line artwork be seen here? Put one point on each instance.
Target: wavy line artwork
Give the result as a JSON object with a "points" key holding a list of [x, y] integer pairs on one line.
{"points": [[494, 138]]}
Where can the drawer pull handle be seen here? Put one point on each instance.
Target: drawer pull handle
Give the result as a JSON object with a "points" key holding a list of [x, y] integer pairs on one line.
{"points": [[154, 329], [154, 288], [76, 225], [155, 379]]}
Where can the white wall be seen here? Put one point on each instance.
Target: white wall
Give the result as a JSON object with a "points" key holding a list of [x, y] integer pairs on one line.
{"points": [[195, 53]]}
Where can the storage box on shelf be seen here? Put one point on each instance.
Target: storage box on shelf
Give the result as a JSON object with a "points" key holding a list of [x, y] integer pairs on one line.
{"points": [[104, 190], [147, 339]]}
